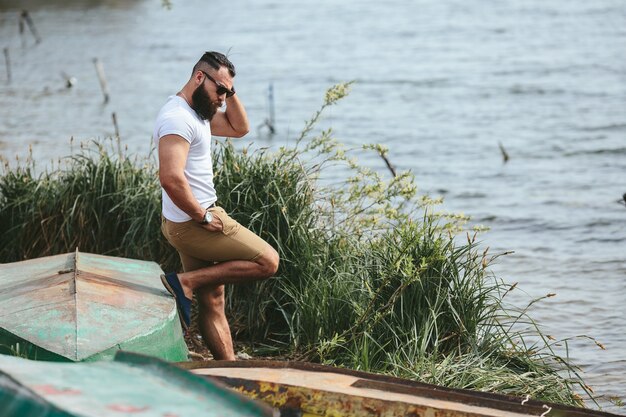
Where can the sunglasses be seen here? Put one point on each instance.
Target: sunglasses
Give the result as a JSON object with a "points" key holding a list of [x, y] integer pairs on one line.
{"points": [[221, 88]]}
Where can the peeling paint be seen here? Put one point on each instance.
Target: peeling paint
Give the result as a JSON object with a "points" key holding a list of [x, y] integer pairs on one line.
{"points": [[81, 306]]}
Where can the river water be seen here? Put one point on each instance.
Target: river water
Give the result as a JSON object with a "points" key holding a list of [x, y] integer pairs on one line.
{"points": [[441, 83]]}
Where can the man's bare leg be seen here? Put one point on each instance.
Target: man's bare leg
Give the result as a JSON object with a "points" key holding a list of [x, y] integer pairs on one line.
{"points": [[212, 322], [230, 272]]}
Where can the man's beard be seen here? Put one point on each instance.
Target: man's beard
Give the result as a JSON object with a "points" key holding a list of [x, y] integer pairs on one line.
{"points": [[202, 103]]}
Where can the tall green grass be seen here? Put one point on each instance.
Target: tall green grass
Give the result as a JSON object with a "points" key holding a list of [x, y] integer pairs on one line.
{"points": [[372, 276], [96, 201]]}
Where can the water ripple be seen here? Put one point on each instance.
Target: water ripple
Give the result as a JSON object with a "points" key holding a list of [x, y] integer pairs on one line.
{"points": [[604, 151]]}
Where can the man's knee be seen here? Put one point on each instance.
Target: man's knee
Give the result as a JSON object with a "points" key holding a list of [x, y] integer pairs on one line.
{"points": [[268, 262]]}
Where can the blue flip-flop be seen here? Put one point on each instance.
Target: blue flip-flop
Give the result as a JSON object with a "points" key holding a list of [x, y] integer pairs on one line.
{"points": [[183, 304]]}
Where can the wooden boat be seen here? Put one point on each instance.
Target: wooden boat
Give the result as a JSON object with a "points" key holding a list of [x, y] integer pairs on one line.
{"points": [[85, 307], [301, 389], [132, 384]]}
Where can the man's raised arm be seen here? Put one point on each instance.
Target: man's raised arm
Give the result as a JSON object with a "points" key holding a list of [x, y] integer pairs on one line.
{"points": [[233, 122]]}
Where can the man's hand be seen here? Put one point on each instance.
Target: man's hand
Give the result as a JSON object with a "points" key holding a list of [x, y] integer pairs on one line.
{"points": [[216, 224]]}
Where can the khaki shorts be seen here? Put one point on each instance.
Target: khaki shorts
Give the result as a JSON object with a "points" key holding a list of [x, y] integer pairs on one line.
{"points": [[198, 247]]}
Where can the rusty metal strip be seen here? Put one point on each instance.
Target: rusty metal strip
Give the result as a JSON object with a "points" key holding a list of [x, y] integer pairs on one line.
{"points": [[529, 407], [298, 401], [73, 284]]}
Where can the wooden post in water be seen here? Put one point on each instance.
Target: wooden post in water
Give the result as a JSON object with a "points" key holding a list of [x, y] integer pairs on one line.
{"points": [[117, 129], [25, 16], [8, 62], [102, 78], [117, 133], [505, 155], [22, 29], [269, 121], [69, 80], [271, 100]]}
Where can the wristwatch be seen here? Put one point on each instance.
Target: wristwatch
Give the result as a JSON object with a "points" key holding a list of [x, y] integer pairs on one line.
{"points": [[208, 217]]}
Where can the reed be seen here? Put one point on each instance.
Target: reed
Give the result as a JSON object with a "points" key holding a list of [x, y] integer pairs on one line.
{"points": [[95, 201], [372, 275]]}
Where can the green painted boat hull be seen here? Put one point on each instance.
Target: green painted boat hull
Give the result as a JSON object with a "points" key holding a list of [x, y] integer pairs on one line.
{"points": [[132, 384], [86, 307]]}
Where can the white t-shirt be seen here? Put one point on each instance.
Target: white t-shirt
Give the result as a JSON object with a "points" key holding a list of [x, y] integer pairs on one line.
{"points": [[177, 118]]}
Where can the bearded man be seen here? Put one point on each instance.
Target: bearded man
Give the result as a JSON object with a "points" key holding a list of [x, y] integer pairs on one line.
{"points": [[214, 249]]}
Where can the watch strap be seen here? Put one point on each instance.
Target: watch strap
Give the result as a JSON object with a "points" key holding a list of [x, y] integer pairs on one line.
{"points": [[204, 220]]}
